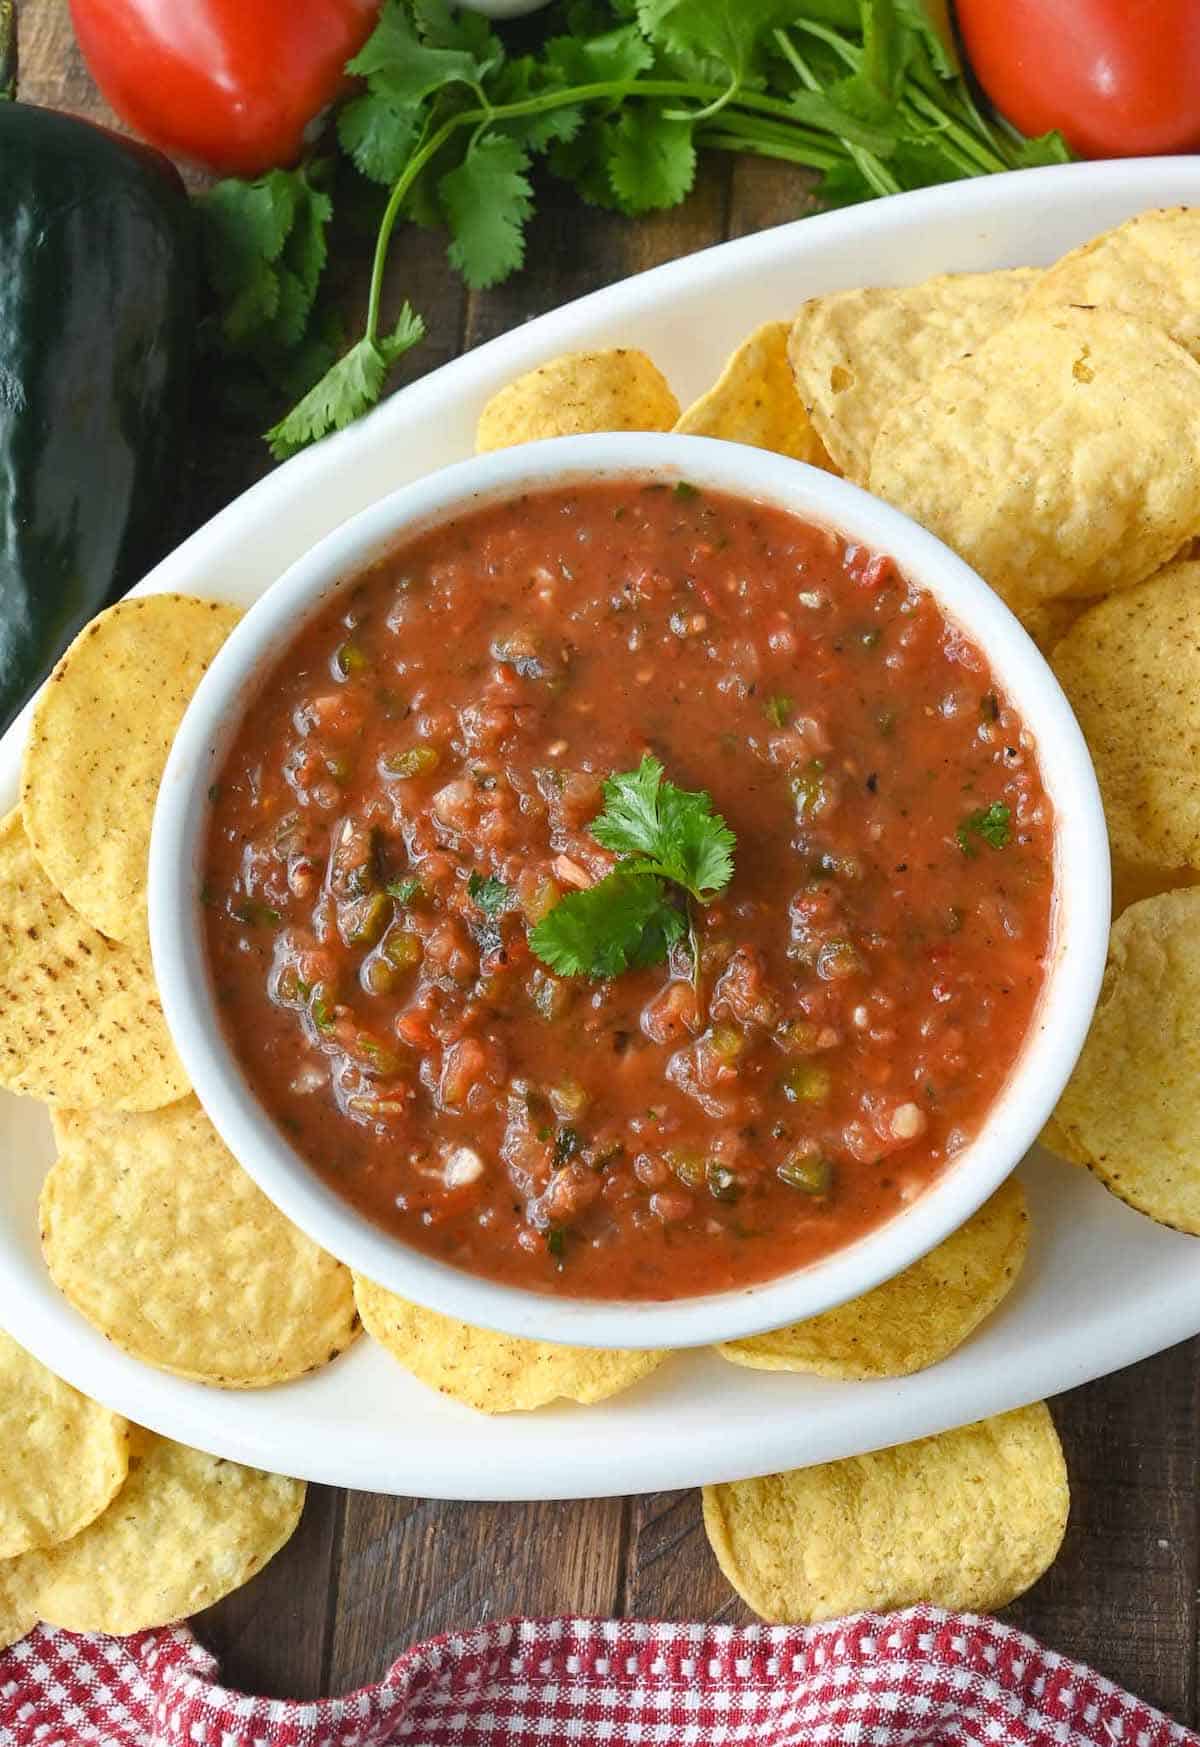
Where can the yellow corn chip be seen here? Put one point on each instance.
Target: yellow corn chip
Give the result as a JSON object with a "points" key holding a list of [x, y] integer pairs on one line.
{"points": [[1056, 1140], [969, 1519], [1148, 267], [1058, 459], [621, 390], [855, 354], [492, 1372], [754, 401], [1131, 669], [101, 732], [62, 1457], [80, 1021], [18, 1615], [159, 1238], [1130, 1108], [915, 1319], [184, 1530]]}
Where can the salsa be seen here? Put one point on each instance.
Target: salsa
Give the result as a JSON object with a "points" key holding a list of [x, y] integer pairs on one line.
{"points": [[415, 800]]}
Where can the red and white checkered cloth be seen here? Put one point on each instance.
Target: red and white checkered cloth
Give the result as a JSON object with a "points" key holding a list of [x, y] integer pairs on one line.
{"points": [[901, 1680]]}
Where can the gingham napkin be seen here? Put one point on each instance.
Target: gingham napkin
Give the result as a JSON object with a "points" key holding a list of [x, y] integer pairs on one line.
{"points": [[900, 1680]]}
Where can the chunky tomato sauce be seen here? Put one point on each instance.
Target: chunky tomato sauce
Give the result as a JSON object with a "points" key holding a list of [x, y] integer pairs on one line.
{"points": [[411, 794]]}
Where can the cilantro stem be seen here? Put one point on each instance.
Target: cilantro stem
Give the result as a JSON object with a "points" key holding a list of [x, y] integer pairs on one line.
{"points": [[607, 90], [725, 141], [871, 167], [694, 945]]}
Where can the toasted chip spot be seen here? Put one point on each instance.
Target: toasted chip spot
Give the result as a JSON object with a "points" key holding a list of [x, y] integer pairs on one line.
{"points": [[155, 1233], [966, 1520], [914, 1320], [492, 1372], [99, 739], [754, 401], [62, 1457], [1130, 1108], [80, 1020], [1131, 669], [184, 1530], [855, 354], [1053, 486], [1147, 267], [620, 390]]}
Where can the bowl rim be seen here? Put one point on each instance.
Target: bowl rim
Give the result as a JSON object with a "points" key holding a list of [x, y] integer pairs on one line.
{"points": [[1017, 1115]]}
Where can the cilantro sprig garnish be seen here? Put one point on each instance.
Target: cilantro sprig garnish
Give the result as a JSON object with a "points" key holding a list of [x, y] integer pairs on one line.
{"points": [[676, 853], [615, 97], [991, 825]]}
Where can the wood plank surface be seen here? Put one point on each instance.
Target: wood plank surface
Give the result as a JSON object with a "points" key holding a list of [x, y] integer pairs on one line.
{"points": [[368, 1575]]}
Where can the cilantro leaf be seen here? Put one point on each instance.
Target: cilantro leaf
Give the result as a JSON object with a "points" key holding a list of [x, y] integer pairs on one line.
{"points": [[461, 29], [652, 161], [732, 33], [615, 54], [528, 77], [487, 200], [491, 895], [403, 890], [625, 920], [347, 390], [674, 832], [243, 227], [992, 825], [379, 133], [396, 63]]}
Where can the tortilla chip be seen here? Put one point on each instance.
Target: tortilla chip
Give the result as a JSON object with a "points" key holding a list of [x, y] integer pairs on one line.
{"points": [[101, 732], [1131, 669], [620, 390], [1148, 267], [754, 401], [184, 1530], [1056, 1140], [969, 1519], [494, 1373], [1049, 621], [855, 354], [1059, 459], [80, 1020], [18, 1615], [1130, 1108], [914, 1320], [157, 1236], [62, 1457]]}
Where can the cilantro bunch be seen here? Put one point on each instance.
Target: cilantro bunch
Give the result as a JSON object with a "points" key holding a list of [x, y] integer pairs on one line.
{"points": [[615, 97], [676, 853]]}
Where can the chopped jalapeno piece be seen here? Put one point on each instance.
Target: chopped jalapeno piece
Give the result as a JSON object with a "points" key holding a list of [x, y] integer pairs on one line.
{"points": [[363, 921], [808, 790], [809, 1172], [402, 949], [417, 761], [728, 1042], [807, 1083], [350, 658]]}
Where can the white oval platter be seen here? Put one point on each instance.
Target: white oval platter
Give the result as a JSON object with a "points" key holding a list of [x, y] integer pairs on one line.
{"points": [[1102, 1287]]}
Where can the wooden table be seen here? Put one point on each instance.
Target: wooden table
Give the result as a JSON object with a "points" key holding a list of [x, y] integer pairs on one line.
{"points": [[365, 1576]]}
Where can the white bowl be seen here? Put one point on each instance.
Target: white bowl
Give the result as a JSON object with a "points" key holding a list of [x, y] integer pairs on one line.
{"points": [[1050, 1051]]}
